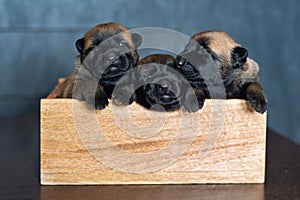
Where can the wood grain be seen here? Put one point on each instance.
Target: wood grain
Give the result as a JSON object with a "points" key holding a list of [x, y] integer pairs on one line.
{"points": [[222, 143]]}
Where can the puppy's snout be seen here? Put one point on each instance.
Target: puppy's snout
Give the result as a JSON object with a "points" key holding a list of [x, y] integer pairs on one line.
{"points": [[111, 56], [116, 62], [165, 88], [164, 83], [112, 59]]}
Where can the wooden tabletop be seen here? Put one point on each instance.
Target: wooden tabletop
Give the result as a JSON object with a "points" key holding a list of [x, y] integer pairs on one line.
{"points": [[19, 173]]}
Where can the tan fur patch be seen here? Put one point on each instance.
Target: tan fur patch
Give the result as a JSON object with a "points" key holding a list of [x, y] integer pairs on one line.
{"points": [[106, 28], [220, 43]]}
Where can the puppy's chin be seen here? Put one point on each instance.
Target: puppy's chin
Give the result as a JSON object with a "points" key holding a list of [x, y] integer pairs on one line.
{"points": [[166, 105]]}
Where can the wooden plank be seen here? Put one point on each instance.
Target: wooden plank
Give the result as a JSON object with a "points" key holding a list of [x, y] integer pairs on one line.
{"points": [[222, 143]]}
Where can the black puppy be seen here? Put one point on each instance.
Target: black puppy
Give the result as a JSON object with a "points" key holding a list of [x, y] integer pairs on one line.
{"points": [[163, 88], [107, 52], [238, 73]]}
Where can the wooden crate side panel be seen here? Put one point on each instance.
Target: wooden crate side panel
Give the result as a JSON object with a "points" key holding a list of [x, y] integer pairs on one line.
{"points": [[229, 152]]}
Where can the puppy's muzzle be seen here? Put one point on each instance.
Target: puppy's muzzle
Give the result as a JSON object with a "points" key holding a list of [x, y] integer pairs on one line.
{"points": [[116, 66]]}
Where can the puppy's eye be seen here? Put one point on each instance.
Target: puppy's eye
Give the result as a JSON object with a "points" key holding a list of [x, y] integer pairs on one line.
{"points": [[180, 61], [123, 44]]}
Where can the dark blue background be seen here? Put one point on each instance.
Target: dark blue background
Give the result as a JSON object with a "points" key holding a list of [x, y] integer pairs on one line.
{"points": [[37, 43]]}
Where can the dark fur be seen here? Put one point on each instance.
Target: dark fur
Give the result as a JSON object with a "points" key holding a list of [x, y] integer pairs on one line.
{"points": [[238, 72], [102, 66], [163, 89]]}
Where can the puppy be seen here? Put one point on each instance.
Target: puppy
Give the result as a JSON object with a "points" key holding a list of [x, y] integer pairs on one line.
{"points": [[239, 73], [64, 89], [107, 52], [163, 88]]}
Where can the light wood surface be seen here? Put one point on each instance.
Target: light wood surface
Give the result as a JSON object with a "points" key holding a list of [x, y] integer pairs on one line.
{"points": [[224, 142]]}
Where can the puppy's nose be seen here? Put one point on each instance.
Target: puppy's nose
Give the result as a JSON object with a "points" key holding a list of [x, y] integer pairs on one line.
{"points": [[180, 61], [117, 62], [111, 56], [164, 88], [164, 83]]}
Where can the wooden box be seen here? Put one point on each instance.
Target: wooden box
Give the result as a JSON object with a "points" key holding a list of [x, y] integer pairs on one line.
{"points": [[225, 142]]}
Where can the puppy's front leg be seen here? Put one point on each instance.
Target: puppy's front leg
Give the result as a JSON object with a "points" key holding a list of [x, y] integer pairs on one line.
{"points": [[101, 99], [190, 105], [253, 92]]}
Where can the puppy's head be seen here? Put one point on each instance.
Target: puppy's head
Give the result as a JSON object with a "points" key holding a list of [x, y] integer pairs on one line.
{"points": [[161, 86], [114, 49], [226, 54]]}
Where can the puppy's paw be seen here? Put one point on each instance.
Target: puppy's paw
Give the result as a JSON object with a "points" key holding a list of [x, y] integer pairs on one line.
{"points": [[98, 104], [123, 99], [101, 103], [194, 106], [258, 102]]}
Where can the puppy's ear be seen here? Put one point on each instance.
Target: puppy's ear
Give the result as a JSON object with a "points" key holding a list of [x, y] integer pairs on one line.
{"points": [[239, 57], [137, 39], [79, 45]]}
